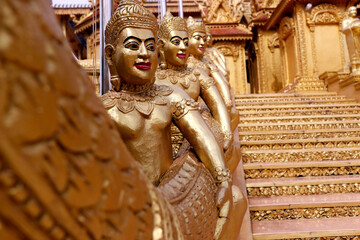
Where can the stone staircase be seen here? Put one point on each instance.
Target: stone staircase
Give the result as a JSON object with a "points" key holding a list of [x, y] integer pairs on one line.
{"points": [[301, 157]]}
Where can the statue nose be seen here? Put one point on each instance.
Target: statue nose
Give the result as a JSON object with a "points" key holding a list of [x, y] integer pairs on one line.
{"points": [[183, 46], [143, 51]]}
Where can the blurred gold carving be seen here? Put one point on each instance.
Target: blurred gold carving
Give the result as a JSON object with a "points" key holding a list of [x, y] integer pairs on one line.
{"points": [[310, 189], [305, 213], [351, 28]]}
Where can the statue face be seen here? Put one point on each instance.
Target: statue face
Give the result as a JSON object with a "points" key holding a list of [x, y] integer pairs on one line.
{"points": [[176, 48], [352, 11], [197, 44], [209, 40], [135, 55]]}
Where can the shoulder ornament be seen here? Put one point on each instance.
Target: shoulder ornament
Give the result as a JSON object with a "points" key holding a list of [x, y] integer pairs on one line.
{"points": [[210, 64], [143, 102], [206, 83], [183, 76], [197, 63], [181, 108]]}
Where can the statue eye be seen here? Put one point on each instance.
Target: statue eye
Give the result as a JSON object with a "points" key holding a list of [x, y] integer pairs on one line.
{"points": [[132, 46], [150, 47], [186, 43], [176, 42], [197, 38]]}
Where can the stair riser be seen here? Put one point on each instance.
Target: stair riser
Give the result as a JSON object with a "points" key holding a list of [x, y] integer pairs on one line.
{"points": [[288, 100], [315, 189], [300, 172], [355, 237], [298, 120], [301, 156], [276, 96], [247, 128], [295, 102], [297, 108], [244, 114], [305, 213], [289, 136], [277, 146]]}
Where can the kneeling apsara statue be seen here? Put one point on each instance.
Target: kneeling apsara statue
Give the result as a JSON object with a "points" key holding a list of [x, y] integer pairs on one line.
{"points": [[200, 192]]}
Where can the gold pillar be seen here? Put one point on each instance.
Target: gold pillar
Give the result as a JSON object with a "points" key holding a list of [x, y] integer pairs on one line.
{"points": [[235, 55]]}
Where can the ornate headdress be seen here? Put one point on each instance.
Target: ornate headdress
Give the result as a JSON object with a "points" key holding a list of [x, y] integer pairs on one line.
{"points": [[129, 14], [170, 23], [194, 26]]}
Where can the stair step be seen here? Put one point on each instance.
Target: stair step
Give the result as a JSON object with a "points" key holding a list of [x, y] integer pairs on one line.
{"points": [[298, 134], [302, 185], [304, 112], [296, 181], [304, 206], [300, 155], [301, 143], [304, 201], [298, 106], [306, 228], [282, 95], [301, 169], [284, 165], [298, 126], [314, 118], [295, 102], [289, 98]]}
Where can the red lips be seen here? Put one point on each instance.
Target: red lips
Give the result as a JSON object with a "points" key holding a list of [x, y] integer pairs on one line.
{"points": [[202, 48], [181, 55], [143, 65]]}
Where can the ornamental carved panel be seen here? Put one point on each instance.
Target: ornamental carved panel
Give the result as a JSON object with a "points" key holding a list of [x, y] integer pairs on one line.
{"points": [[228, 49], [286, 27], [324, 14], [273, 42]]}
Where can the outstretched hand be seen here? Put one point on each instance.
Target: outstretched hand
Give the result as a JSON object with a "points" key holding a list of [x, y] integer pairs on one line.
{"points": [[224, 203]]}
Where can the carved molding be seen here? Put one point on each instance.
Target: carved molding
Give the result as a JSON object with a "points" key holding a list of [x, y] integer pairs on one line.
{"points": [[273, 42], [228, 49], [286, 28], [323, 14]]}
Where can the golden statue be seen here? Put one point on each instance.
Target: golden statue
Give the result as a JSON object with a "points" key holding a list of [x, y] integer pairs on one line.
{"points": [[351, 28], [173, 48], [215, 55], [65, 173], [143, 113], [197, 47]]}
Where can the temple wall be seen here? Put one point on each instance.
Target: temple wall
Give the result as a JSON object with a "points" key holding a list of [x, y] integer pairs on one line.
{"points": [[270, 72], [235, 55], [327, 48]]}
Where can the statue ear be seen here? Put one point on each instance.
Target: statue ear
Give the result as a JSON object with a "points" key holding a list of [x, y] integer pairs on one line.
{"points": [[162, 59], [161, 44], [109, 51]]}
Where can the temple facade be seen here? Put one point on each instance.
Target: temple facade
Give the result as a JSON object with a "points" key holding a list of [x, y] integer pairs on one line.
{"points": [[294, 68]]}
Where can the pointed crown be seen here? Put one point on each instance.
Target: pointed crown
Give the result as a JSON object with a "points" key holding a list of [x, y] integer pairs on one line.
{"points": [[170, 23], [194, 26], [129, 14]]}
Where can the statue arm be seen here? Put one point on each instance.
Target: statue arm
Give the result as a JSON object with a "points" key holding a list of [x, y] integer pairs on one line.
{"points": [[215, 102], [187, 117], [223, 87]]}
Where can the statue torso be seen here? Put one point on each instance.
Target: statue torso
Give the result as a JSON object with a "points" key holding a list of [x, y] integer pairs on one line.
{"points": [[144, 122]]}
